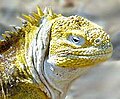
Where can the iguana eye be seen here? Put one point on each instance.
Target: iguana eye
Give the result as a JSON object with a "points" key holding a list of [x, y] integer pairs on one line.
{"points": [[76, 40]]}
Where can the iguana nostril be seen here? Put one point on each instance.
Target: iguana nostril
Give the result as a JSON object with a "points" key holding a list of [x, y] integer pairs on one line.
{"points": [[98, 41]]}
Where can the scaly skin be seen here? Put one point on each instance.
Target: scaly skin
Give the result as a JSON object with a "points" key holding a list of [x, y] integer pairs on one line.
{"points": [[89, 52], [66, 44]]}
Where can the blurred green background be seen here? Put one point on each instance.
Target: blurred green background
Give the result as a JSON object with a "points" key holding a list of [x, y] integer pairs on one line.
{"points": [[102, 82]]}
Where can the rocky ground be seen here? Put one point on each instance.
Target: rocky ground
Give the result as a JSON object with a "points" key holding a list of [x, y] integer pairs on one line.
{"points": [[102, 82]]}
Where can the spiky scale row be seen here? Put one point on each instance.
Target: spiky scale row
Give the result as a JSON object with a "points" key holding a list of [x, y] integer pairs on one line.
{"points": [[11, 37], [39, 11], [36, 16]]}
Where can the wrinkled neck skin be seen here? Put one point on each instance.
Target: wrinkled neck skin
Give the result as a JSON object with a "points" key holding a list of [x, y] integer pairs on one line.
{"points": [[60, 79]]}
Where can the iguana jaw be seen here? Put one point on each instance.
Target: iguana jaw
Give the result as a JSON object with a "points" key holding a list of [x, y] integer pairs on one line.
{"points": [[79, 58], [60, 78]]}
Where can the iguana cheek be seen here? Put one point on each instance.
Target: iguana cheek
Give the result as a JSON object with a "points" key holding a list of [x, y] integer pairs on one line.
{"points": [[82, 57]]}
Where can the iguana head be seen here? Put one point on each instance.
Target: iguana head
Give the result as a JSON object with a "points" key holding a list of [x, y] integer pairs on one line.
{"points": [[64, 48], [78, 42]]}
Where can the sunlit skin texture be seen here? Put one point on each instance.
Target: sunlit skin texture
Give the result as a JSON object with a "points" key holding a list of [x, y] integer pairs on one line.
{"points": [[74, 43], [94, 44]]}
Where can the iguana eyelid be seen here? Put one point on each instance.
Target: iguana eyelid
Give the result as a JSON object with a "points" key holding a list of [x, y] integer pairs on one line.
{"points": [[77, 40]]}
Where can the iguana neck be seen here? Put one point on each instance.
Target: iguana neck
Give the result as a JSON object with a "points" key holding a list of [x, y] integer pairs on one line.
{"points": [[60, 79]]}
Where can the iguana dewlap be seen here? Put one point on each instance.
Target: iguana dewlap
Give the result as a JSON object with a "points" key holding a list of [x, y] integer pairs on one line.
{"points": [[40, 59]]}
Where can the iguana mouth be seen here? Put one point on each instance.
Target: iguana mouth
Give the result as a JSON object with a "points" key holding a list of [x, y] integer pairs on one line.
{"points": [[65, 59], [99, 54], [96, 57]]}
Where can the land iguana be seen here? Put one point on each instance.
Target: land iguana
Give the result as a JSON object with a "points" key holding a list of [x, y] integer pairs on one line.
{"points": [[40, 59]]}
